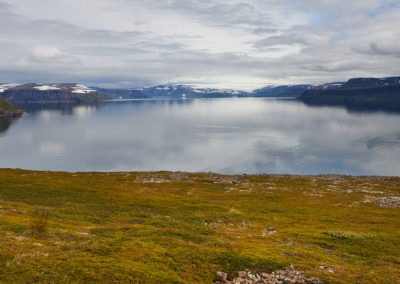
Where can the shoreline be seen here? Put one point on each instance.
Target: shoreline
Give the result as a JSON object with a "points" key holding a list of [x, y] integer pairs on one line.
{"points": [[327, 175]]}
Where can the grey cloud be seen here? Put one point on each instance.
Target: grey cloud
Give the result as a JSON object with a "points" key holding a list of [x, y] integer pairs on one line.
{"points": [[291, 39], [385, 49], [220, 13], [270, 41]]}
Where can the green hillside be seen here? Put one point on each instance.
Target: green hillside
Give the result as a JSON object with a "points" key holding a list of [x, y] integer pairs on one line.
{"points": [[7, 109]]}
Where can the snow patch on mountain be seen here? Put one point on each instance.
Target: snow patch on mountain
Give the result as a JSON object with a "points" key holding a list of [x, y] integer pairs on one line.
{"points": [[81, 89], [46, 88], [4, 87]]}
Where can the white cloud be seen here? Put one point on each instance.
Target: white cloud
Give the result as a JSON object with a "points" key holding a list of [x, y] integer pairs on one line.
{"points": [[227, 43]]}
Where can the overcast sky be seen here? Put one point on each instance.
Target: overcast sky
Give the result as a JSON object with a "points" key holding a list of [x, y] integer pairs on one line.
{"points": [[241, 44]]}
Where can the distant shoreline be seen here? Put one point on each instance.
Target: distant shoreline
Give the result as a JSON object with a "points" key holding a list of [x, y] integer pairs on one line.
{"points": [[327, 175]]}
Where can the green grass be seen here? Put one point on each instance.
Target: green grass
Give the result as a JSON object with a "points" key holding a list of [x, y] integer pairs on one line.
{"points": [[167, 227], [7, 108]]}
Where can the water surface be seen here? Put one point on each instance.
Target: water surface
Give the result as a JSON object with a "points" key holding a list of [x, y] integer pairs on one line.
{"points": [[230, 136]]}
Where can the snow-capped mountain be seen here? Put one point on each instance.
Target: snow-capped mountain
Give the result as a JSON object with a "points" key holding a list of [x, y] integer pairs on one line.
{"points": [[358, 93], [189, 91], [4, 87], [60, 92]]}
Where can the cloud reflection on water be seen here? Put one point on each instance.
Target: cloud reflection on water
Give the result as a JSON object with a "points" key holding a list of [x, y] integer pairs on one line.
{"points": [[221, 135]]}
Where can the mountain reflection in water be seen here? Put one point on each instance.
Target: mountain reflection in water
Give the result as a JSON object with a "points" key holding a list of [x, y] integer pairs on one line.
{"points": [[245, 135]]}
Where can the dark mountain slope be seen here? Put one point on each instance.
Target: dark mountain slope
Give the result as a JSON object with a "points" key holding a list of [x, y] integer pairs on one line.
{"points": [[360, 92], [65, 92]]}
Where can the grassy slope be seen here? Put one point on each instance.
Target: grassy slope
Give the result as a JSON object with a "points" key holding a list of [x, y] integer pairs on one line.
{"points": [[182, 228], [6, 107]]}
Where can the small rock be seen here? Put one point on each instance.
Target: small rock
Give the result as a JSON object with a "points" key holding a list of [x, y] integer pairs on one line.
{"points": [[287, 276], [241, 273], [222, 276]]}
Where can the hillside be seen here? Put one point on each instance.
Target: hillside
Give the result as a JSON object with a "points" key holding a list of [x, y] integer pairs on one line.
{"points": [[9, 110], [164, 227], [122, 93], [362, 92], [189, 91], [378, 92], [280, 91], [59, 92]]}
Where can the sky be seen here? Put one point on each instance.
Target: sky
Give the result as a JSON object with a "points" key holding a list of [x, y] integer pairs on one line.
{"points": [[219, 43]]}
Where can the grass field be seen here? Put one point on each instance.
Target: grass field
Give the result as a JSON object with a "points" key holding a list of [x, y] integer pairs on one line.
{"points": [[165, 227]]}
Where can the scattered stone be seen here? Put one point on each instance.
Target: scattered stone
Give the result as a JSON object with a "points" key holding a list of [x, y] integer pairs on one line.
{"points": [[269, 231], [20, 238], [327, 268], [391, 202], [287, 276]]}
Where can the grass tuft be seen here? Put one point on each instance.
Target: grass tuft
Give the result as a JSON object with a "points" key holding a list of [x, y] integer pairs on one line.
{"points": [[40, 219]]}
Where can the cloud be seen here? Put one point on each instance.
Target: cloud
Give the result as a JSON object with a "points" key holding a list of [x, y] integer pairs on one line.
{"points": [[50, 55], [241, 44]]}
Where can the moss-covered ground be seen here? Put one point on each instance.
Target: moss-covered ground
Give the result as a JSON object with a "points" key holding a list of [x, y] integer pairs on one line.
{"points": [[164, 227]]}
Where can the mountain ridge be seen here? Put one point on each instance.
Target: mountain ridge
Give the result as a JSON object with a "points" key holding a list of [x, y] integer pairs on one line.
{"points": [[78, 92], [54, 92], [381, 93]]}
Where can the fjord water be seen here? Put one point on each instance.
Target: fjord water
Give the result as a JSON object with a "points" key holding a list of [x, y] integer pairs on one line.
{"points": [[229, 136]]}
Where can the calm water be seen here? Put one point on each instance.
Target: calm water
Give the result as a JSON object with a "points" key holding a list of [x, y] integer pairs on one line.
{"points": [[218, 135]]}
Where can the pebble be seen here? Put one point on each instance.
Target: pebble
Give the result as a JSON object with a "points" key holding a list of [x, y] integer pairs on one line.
{"points": [[287, 276], [391, 202]]}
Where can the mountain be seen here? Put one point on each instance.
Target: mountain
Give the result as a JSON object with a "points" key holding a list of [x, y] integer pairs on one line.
{"points": [[189, 91], [371, 82], [377, 93], [56, 92], [361, 91], [8, 110], [123, 93], [280, 91]]}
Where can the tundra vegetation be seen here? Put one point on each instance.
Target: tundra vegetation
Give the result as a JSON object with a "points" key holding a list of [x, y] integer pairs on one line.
{"points": [[165, 227]]}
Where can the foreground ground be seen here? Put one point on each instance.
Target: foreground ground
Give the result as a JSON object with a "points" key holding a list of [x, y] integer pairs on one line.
{"points": [[167, 227]]}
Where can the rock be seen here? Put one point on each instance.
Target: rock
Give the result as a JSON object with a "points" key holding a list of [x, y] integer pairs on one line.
{"points": [[327, 268], [241, 273], [287, 276], [390, 202], [222, 276]]}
